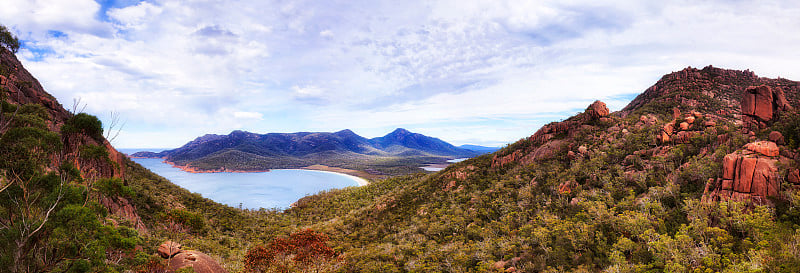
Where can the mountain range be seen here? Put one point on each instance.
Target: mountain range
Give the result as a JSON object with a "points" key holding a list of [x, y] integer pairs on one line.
{"points": [[245, 151]]}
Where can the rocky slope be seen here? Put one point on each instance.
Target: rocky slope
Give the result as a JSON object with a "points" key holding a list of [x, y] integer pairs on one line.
{"points": [[701, 167], [69, 203], [22, 88]]}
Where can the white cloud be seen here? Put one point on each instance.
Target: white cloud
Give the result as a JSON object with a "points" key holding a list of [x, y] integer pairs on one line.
{"points": [[326, 33], [134, 16], [248, 115], [499, 68], [307, 91], [38, 16]]}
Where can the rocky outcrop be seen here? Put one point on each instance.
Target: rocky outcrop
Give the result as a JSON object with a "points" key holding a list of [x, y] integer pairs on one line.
{"points": [[23, 88], [767, 148], [168, 249], [500, 161], [749, 174], [776, 137], [458, 175], [695, 89], [547, 141], [178, 258], [198, 261], [123, 208], [597, 110], [794, 176], [685, 129], [760, 104]]}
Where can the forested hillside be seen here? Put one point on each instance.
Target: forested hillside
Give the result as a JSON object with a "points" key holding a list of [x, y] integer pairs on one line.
{"points": [[698, 174]]}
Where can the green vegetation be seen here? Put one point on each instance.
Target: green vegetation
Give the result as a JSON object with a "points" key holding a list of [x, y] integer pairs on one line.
{"points": [[383, 165], [85, 124], [8, 40], [619, 202], [47, 223], [789, 126]]}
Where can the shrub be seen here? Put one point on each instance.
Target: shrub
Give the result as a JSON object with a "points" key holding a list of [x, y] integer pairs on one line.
{"points": [[84, 123], [188, 219], [789, 126], [305, 250], [113, 187], [93, 152]]}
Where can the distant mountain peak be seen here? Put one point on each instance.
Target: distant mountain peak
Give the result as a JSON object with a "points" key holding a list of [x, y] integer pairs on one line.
{"points": [[302, 149], [345, 132], [400, 131]]}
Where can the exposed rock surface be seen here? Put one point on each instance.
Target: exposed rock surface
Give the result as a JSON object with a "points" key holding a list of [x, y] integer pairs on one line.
{"points": [[23, 88], [761, 103], [198, 261], [688, 88], [123, 208], [544, 145], [767, 148], [597, 109], [682, 133], [776, 137], [750, 174], [794, 176]]}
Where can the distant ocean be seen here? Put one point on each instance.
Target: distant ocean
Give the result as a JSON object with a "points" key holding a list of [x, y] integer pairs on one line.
{"points": [[273, 189], [134, 150]]}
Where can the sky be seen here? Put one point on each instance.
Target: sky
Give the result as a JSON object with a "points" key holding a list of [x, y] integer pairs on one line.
{"points": [[468, 72]]}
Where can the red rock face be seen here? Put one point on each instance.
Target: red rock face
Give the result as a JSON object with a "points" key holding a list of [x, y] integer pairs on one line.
{"points": [[23, 89], [669, 128], [122, 207], [542, 144], [767, 148], [746, 175], [504, 160], [597, 109], [169, 249], [762, 102], [794, 176]]}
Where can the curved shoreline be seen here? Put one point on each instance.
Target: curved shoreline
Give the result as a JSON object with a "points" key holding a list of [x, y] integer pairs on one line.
{"points": [[359, 181]]}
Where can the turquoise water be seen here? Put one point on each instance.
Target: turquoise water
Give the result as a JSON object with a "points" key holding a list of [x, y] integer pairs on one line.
{"points": [[273, 189]]}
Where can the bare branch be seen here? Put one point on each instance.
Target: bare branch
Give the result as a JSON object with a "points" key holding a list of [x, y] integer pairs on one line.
{"points": [[76, 103], [55, 204], [5, 123], [111, 133]]}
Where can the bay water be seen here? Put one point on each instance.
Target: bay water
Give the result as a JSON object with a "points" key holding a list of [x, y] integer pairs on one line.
{"points": [[273, 189]]}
